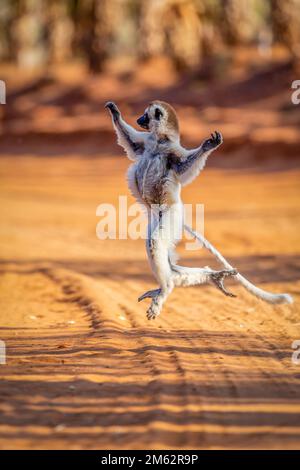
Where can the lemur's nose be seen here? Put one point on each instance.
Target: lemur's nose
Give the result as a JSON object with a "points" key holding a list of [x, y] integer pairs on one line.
{"points": [[143, 121]]}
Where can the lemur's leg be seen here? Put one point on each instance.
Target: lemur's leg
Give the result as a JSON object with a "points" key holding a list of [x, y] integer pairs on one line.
{"points": [[158, 244], [129, 138], [163, 233], [186, 276]]}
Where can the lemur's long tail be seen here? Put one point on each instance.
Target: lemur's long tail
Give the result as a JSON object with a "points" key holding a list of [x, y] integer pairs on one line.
{"points": [[260, 293]]}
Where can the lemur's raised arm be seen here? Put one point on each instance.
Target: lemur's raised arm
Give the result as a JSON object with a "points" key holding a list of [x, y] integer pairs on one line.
{"points": [[190, 166], [132, 141]]}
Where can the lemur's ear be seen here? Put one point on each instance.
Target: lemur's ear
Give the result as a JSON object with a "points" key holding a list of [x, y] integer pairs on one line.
{"points": [[157, 114]]}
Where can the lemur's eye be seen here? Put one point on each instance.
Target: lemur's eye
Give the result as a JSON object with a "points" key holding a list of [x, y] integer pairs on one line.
{"points": [[157, 114]]}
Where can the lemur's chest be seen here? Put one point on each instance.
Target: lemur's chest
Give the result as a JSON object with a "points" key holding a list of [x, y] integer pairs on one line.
{"points": [[156, 182]]}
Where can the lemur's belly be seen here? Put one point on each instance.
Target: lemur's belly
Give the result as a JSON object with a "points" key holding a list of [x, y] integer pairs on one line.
{"points": [[156, 183]]}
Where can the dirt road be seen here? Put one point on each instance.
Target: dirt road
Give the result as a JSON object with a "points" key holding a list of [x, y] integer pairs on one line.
{"points": [[85, 369]]}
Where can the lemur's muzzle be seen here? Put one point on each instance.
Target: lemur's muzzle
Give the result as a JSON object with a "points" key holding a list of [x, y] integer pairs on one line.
{"points": [[143, 121]]}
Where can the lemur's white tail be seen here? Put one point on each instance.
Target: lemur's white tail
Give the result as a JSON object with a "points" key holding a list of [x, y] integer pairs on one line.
{"points": [[260, 293]]}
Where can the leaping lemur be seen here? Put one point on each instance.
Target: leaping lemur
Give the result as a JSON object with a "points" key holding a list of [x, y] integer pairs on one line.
{"points": [[161, 166]]}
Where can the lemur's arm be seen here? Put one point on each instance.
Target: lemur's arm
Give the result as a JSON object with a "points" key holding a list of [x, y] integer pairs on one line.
{"points": [[132, 141], [188, 168]]}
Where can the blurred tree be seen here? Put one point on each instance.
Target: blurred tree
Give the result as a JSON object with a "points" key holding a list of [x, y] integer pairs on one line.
{"points": [[285, 21], [96, 20], [29, 31], [233, 17], [209, 12], [125, 38], [171, 27], [152, 34], [34, 32], [8, 10], [61, 31]]}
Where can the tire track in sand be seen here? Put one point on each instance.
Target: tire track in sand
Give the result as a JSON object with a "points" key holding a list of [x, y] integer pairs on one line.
{"points": [[73, 288]]}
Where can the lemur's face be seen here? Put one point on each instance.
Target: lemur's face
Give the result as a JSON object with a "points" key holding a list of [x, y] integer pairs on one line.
{"points": [[154, 118], [160, 117]]}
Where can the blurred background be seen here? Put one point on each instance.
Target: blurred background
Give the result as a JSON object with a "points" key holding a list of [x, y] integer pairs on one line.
{"points": [[39, 32], [61, 60]]}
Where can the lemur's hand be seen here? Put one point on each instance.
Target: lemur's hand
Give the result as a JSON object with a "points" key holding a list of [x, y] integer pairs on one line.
{"points": [[113, 108], [214, 142]]}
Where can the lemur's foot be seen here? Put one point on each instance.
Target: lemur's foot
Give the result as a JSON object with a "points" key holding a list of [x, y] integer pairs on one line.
{"points": [[113, 108], [153, 311], [155, 308], [150, 294], [217, 277], [215, 141]]}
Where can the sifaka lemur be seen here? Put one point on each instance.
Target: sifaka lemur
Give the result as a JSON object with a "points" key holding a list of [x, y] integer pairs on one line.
{"points": [[161, 167]]}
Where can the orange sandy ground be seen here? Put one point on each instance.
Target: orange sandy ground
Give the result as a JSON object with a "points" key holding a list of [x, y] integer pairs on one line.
{"points": [[85, 369]]}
